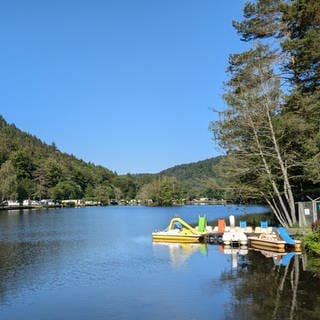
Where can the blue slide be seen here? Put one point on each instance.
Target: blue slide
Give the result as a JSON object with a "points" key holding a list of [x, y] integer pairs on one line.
{"points": [[285, 236]]}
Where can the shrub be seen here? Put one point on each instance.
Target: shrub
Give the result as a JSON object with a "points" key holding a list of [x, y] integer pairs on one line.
{"points": [[312, 242]]}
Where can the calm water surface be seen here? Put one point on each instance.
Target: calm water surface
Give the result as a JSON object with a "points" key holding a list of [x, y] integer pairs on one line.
{"points": [[100, 263]]}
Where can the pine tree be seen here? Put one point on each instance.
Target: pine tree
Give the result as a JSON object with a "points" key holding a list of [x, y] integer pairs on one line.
{"points": [[249, 132], [273, 135]]}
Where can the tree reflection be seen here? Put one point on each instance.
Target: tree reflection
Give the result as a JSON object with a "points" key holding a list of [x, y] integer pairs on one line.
{"points": [[272, 287]]}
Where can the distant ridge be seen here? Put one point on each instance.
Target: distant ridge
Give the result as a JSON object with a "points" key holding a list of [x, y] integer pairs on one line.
{"points": [[32, 169], [193, 170]]}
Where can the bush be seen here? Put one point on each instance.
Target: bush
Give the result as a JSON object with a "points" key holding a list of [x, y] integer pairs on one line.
{"points": [[312, 242]]}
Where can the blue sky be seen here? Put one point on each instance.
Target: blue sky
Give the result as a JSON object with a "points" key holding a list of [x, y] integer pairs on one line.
{"points": [[127, 84]]}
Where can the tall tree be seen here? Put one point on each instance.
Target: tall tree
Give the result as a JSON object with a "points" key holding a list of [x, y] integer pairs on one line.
{"points": [[302, 20], [8, 181], [303, 103], [273, 142], [42, 183], [248, 131], [162, 191], [255, 129]]}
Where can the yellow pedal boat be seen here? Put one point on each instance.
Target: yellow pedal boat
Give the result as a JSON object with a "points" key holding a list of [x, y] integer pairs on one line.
{"points": [[177, 231]]}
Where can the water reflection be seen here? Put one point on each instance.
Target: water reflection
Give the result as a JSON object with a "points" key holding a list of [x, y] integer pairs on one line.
{"points": [[94, 267], [237, 255], [273, 286], [179, 253], [279, 258]]}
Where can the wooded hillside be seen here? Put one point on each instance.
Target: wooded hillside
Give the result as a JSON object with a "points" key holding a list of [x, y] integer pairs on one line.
{"points": [[31, 169]]}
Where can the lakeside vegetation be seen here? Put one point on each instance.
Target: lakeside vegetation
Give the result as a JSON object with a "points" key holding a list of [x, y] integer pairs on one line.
{"points": [[312, 240], [270, 127]]}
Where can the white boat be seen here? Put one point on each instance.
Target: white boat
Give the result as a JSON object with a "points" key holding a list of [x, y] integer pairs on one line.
{"points": [[234, 237]]}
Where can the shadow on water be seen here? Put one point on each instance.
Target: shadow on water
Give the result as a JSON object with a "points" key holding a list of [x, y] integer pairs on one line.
{"points": [[272, 285], [263, 284]]}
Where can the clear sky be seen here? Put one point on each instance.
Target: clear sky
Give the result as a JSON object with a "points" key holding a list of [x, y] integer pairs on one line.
{"points": [[126, 84]]}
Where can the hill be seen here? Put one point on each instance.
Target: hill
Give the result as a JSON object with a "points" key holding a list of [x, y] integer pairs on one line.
{"points": [[196, 170], [32, 169], [199, 179]]}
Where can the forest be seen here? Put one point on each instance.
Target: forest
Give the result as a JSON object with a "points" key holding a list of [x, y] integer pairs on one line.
{"points": [[31, 169]]}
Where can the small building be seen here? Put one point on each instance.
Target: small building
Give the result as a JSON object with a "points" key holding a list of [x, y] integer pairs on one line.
{"points": [[13, 203], [309, 212]]}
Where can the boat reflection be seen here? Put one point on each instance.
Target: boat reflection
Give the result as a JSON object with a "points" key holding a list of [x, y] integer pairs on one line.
{"points": [[279, 258], [235, 253], [180, 252]]}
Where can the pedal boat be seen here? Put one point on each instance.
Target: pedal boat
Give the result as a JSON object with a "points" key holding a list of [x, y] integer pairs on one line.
{"points": [[268, 241], [278, 240], [178, 231], [234, 237]]}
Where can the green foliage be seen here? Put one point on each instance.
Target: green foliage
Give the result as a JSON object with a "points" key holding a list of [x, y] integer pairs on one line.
{"points": [[162, 191], [26, 189], [35, 170], [270, 128], [262, 20], [312, 242], [32, 169], [104, 193], [8, 179], [24, 165], [303, 43], [127, 185], [198, 179], [65, 190]]}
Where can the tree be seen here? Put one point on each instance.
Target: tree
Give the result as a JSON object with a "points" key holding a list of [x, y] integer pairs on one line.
{"points": [[52, 170], [303, 103], [65, 190], [271, 126], [42, 183], [23, 164], [262, 19], [8, 181], [302, 19], [248, 132], [127, 186], [295, 25], [104, 193], [162, 191], [26, 189]]}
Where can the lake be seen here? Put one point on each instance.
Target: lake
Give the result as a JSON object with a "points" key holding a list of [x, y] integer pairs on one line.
{"points": [[100, 263]]}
